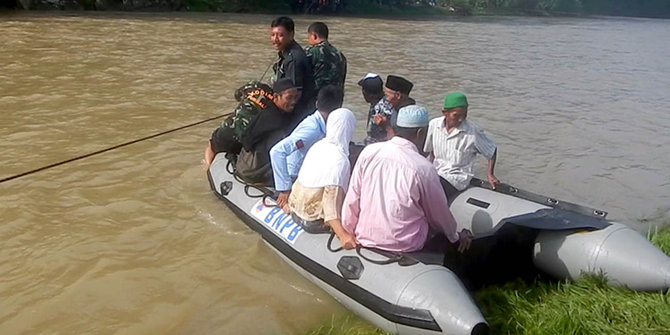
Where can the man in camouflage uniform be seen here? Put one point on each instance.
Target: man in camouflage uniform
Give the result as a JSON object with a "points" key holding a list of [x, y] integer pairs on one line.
{"points": [[253, 97], [328, 64]]}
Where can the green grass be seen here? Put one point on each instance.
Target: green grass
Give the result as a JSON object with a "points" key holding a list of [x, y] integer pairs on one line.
{"points": [[587, 306]]}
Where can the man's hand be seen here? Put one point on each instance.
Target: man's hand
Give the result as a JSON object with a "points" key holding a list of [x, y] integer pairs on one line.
{"points": [[379, 119], [464, 240], [347, 241], [282, 199], [493, 180]]}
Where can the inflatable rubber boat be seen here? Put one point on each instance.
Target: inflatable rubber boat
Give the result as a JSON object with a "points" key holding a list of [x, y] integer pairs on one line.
{"points": [[415, 293]]}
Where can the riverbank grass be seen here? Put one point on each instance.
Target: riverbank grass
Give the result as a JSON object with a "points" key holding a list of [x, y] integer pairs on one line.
{"points": [[588, 306]]}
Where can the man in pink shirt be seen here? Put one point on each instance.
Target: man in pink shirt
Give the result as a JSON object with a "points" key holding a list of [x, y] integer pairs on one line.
{"points": [[394, 195]]}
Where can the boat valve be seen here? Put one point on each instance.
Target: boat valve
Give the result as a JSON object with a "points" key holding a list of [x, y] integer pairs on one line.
{"points": [[599, 213], [226, 187]]}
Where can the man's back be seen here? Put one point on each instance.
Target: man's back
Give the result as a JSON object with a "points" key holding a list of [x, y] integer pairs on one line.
{"points": [[328, 65], [394, 195]]}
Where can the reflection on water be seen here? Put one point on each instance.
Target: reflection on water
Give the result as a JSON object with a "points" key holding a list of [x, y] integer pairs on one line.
{"points": [[133, 239]]}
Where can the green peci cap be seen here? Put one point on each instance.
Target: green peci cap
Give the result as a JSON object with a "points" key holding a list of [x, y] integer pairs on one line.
{"points": [[456, 99]]}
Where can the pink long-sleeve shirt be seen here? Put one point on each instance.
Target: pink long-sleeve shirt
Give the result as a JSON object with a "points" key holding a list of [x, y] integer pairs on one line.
{"points": [[394, 195]]}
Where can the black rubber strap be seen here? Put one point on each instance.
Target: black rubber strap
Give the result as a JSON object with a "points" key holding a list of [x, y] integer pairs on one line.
{"points": [[330, 243], [392, 257]]}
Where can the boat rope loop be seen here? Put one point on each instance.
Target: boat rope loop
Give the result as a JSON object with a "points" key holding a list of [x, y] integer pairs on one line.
{"points": [[23, 174], [391, 256], [330, 243], [264, 193]]}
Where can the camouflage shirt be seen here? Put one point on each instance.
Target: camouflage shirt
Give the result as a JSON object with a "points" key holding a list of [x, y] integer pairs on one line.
{"points": [[376, 132], [254, 97], [328, 64]]}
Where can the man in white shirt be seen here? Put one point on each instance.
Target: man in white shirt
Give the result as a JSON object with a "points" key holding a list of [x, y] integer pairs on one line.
{"points": [[453, 142]]}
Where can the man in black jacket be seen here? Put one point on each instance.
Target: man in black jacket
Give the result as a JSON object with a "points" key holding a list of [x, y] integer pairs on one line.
{"points": [[292, 63]]}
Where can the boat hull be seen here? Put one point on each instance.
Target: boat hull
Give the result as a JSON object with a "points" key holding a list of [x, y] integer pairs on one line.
{"points": [[567, 244], [408, 298]]}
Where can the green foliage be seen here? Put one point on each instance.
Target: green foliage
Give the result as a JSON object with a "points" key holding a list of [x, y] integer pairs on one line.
{"points": [[651, 8], [87, 4], [235, 5], [661, 238], [588, 306], [390, 7]]}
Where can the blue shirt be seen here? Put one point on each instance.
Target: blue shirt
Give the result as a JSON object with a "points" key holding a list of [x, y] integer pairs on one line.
{"points": [[287, 155]]}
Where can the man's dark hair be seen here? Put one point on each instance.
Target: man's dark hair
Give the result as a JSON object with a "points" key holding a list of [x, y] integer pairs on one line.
{"points": [[285, 22], [319, 28], [406, 133], [330, 98], [409, 134]]}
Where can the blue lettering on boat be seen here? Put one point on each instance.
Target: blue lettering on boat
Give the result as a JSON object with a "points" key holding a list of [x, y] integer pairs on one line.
{"points": [[275, 219], [287, 224], [270, 215], [278, 221], [294, 233]]}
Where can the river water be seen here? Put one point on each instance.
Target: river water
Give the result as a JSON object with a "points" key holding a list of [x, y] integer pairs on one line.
{"points": [[133, 241]]}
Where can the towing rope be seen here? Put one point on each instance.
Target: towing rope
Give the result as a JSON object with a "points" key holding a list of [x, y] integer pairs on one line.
{"points": [[23, 174]]}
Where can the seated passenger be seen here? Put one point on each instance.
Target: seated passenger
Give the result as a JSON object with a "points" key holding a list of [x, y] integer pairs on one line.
{"points": [[253, 97], [394, 194], [287, 155], [317, 194], [396, 96], [262, 131], [453, 142]]}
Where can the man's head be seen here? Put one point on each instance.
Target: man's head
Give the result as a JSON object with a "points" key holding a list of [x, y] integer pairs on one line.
{"points": [[455, 109], [317, 32], [286, 94], [412, 124], [330, 98], [282, 30], [397, 89], [372, 87]]}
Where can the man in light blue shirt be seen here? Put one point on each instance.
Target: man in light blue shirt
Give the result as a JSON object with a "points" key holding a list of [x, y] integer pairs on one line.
{"points": [[287, 155]]}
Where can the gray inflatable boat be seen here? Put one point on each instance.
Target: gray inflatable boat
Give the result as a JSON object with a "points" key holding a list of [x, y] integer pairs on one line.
{"points": [[563, 239], [398, 294], [414, 293]]}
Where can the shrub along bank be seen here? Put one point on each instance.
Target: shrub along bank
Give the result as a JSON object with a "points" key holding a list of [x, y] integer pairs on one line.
{"points": [[645, 8]]}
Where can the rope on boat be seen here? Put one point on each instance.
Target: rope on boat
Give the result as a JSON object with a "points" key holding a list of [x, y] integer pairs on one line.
{"points": [[230, 168], [23, 174]]}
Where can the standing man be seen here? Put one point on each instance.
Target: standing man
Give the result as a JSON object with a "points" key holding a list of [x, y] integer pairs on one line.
{"points": [[328, 64], [394, 195], [372, 88], [453, 142], [396, 96], [288, 154], [292, 63]]}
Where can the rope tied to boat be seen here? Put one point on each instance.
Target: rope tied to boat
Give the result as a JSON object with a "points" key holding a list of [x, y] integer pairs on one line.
{"points": [[70, 160]]}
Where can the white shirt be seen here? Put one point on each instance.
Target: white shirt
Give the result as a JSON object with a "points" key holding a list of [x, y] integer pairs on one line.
{"points": [[455, 152]]}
